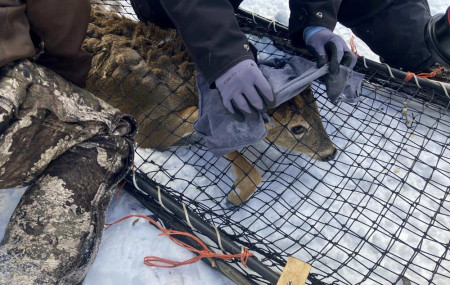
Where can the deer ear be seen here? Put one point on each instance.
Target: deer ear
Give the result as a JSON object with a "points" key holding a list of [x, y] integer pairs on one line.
{"points": [[279, 113], [299, 100], [287, 112], [308, 96]]}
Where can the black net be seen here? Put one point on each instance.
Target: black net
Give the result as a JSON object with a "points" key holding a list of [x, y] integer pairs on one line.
{"points": [[377, 211]]}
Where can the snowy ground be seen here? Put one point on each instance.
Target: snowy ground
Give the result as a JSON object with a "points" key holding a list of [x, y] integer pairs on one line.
{"points": [[372, 192], [125, 245]]}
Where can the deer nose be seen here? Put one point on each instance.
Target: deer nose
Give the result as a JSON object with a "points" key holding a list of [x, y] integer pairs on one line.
{"points": [[331, 156]]}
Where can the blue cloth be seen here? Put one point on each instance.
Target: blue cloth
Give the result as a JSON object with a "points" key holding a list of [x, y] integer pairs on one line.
{"points": [[288, 77]]}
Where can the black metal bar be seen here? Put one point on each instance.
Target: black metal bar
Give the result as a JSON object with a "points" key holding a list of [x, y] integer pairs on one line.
{"points": [[401, 75], [260, 19], [149, 187]]}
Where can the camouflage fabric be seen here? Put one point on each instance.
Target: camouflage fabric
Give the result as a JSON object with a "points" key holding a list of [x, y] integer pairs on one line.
{"points": [[72, 149]]}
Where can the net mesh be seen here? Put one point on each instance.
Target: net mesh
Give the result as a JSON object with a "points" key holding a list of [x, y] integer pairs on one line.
{"points": [[378, 212]]}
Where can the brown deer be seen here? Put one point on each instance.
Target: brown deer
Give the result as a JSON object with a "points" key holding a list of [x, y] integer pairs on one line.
{"points": [[146, 71]]}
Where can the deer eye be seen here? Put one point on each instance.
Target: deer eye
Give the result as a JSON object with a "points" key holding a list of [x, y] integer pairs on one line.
{"points": [[298, 130]]}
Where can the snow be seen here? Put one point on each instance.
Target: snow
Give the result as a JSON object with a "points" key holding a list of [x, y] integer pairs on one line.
{"points": [[9, 198], [124, 246], [379, 183], [350, 207]]}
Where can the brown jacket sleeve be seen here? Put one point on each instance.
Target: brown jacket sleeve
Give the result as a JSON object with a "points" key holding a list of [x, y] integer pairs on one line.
{"points": [[211, 33], [15, 40], [306, 13]]}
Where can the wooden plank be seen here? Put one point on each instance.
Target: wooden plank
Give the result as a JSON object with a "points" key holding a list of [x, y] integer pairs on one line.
{"points": [[295, 272]]}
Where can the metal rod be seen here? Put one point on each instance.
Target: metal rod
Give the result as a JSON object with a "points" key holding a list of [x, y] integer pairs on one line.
{"points": [[148, 186], [279, 27], [400, 75]]}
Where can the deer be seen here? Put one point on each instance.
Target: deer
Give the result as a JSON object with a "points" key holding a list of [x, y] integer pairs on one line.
{"points": [[145, 71]]}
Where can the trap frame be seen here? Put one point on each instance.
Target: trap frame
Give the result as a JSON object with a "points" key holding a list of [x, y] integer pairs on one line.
{"points": [[378, 213]]}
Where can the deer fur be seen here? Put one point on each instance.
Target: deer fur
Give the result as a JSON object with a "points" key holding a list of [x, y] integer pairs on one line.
{"points": [[146, 71]]}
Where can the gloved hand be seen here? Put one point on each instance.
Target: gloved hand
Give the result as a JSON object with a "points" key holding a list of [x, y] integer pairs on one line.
{"points": [[328, 47], [245, 90]]}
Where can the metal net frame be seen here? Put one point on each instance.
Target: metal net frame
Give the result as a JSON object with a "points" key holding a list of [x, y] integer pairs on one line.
{"points": [[377, 213]]}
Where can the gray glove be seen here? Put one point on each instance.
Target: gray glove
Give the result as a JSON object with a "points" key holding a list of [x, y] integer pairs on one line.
{"points": [[328, 47], [245, 90]]}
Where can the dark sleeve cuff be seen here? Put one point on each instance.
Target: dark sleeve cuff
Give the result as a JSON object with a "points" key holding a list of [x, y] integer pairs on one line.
{"points": [[311, 13], [211, 78], [211, 33]]}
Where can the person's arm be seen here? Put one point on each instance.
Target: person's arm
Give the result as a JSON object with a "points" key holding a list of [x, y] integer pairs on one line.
{"points": [[211, 33], [311, 25], [305, 13], [222, 53]]}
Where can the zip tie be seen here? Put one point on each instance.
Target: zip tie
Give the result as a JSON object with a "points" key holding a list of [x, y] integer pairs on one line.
{"points": [[159, 198], [187, 217], [445, 89], [219, 239], [274, 25], [162, 223], [135, 184], [390, 71], [417, 81], [253, 16], [364, 60]]}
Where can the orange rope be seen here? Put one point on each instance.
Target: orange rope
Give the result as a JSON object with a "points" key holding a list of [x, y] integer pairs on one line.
{"points": [[205, 252], [410, 75], [353, 46], [124, 182], [121, 187]]}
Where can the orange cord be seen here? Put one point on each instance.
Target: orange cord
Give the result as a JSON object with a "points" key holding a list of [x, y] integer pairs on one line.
{"points": [[353, 46], [205, 252], [121, 187], [410, 75], [124, 182]]}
